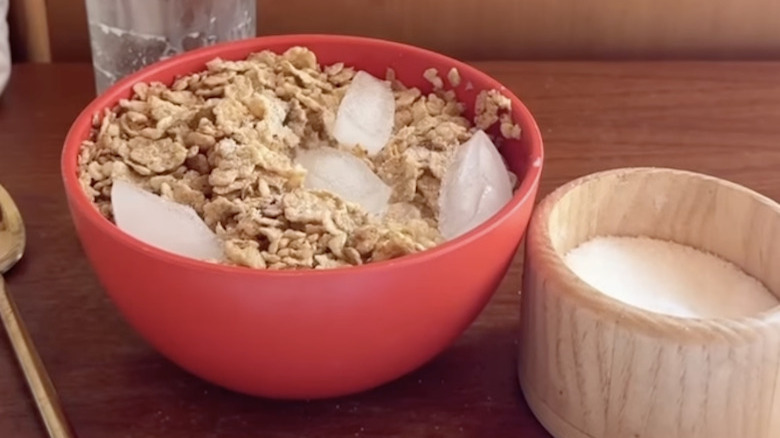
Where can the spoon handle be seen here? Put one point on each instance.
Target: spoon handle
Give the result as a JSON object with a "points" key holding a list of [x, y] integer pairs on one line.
{"points": [[37, 378]]}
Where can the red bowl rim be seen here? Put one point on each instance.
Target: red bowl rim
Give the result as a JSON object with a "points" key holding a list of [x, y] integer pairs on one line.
{"points": [[79, 200]]}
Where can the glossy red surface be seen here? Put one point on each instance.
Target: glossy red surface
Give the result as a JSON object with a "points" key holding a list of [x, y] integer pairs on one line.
{"points": [[307, 334]]}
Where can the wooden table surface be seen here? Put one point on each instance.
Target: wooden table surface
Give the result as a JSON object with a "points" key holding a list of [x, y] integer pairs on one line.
{"points": [[718, 118]]}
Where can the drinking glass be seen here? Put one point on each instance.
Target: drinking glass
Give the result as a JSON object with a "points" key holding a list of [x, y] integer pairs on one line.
{"points": [[126, 35]]}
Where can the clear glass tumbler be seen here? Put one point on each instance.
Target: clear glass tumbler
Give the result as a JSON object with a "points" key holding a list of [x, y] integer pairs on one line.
{"points": [[127, 35]]}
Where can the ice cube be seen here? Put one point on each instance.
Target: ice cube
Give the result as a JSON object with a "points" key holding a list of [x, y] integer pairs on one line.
{"points": [[346, 175], [164, 224], [366, 114], [474, 188]]}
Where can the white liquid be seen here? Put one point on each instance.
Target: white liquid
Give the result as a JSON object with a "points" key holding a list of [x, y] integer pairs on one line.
{"points": [[669, 278]]}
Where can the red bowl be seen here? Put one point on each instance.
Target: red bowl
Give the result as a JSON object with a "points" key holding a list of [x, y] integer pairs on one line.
{"points": [[314, 333]]}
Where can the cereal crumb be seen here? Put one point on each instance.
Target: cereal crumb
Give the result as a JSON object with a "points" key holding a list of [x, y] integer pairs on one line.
{"points": [[432, 76], [488, 105], [453, 76], [508, 128]]}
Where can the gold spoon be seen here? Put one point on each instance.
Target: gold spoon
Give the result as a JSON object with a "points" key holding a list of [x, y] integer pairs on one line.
{"points": [[12, 242]]}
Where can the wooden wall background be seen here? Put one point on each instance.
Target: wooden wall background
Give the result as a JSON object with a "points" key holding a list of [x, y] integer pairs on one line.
{"points": [[480, 29]]}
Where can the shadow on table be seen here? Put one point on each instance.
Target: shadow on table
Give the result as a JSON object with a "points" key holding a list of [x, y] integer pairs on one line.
{"points": [[470, 390]]}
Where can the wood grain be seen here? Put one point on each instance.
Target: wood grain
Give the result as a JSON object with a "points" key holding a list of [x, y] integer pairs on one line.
{"points": [[718, 118], [507, 29], [591, 366]]}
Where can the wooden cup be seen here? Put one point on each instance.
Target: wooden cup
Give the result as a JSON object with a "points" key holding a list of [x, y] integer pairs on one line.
{"points": [[592, 366]]}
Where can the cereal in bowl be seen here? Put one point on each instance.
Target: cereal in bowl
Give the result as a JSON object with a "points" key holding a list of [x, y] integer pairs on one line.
{"points": [[295, 165]]}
